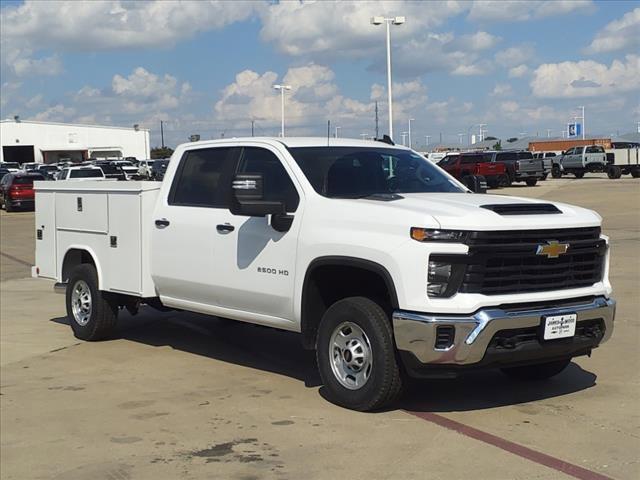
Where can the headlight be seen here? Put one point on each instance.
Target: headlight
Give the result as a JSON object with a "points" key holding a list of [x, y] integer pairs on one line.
{"points": [[432, 235]]}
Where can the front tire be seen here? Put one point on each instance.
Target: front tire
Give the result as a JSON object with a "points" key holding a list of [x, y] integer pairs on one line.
{"points": [[579, 174], [92, 315], [356, 355], [541, 371], [556, 172], [531, 182]]}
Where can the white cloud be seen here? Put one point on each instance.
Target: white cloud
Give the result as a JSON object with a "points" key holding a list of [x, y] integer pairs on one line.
{"points": [[56, 113], [314, 97], [586, 78], [468, 70], [518, 10], [622, 34], [476, 42], [344, 28], [501, 90], [519, 71], [514, 55]]}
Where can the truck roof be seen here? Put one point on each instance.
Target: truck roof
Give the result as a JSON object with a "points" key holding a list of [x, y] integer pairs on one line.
{"points": [[294, 142]]}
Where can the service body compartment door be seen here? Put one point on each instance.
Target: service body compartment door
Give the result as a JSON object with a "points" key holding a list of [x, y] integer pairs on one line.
{"points": [[82, 211], [46, 234], [124, 244]]}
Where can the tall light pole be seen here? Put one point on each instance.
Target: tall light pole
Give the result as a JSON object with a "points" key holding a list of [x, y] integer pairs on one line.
{"points": [[427, 137], [583, 131], [482, 131], [282, 88], [336, 134], [404, 138], [410, 120], [364, 136], [388, 22]]}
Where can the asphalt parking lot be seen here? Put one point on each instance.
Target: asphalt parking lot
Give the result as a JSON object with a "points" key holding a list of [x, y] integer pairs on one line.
{"points": [[180, 395]]}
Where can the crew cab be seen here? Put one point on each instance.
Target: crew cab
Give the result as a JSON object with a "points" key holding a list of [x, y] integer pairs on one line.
{"points": [[381, 261], [580, 160], [16, 190], [521, 166], [465, 165], [82, 173], [547, 161]]}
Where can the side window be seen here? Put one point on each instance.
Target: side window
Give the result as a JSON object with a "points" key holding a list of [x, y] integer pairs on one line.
{"points": [[469, 159], [278, 186], [571, 151], [203, 178]]}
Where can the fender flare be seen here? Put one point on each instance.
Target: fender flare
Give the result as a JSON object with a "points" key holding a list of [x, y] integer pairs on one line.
{"points": [[93, 256]]}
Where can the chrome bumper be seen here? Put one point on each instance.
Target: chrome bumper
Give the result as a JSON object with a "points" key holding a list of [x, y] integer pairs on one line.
{"points": [[416, 332]]}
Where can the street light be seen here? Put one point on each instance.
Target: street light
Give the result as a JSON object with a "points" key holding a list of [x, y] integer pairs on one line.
{"points": [[404, 138], [282, 88], [583, 129], [336, 134], [427, 137], [388, 21], [410, 120]]}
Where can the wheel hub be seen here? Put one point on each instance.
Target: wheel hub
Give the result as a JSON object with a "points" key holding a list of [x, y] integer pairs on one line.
{"points": [[81, 304], [350, 355]]}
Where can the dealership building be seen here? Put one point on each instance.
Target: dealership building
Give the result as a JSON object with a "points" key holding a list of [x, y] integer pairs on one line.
{"points": [[46, 142]]}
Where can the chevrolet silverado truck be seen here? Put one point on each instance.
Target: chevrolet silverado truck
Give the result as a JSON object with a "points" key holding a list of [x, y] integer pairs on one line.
{"points": [[385, 265], [465, 165], [580, 160], [521, 166]]}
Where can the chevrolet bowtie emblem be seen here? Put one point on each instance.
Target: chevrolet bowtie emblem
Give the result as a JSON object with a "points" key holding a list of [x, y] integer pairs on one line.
{"points": [[553, 249]]}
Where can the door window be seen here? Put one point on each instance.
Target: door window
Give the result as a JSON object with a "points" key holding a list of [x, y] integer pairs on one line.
{"points": [[277, 186], [203, 178]]}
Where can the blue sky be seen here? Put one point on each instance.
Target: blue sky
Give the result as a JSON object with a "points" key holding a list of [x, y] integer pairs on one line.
{"points": [[208, 67]]}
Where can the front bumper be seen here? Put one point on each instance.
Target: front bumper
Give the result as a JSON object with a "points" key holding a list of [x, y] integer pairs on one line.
{"points": [[473, 343]]}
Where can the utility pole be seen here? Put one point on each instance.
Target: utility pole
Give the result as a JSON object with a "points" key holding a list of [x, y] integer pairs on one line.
{"points": [[336, 134], [162, 133], [548, 133], [482, 132], [583, 123], [404, 138], [427, 137], [252, 125], [378, 133], [460, 137], [364, 136]]}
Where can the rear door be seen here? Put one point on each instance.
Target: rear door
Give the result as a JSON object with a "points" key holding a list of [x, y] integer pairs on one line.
{"points": [[186, 245]]}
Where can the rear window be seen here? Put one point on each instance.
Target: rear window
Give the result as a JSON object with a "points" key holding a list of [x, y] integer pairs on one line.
{"points": [[595, 149], [550, 154], [26, 180], [525, 155], [89, 173], [476, 158]]}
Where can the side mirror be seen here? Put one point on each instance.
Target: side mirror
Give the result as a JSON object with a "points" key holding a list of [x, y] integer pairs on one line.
{"points": [[476, 183], [247, 193]]}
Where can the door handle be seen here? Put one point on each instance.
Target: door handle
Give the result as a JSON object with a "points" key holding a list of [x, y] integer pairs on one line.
{"points": [[162, 222], [225, 228]]}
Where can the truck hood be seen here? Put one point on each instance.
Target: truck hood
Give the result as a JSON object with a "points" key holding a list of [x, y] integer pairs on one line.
{"points": [[463, 211]]}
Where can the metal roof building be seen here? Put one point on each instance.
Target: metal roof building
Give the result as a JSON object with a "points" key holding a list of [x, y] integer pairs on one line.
{"points": [[47, 142]]}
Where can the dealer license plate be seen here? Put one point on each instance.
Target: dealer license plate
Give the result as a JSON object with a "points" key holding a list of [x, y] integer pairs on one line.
{"points": [[560, 326]]}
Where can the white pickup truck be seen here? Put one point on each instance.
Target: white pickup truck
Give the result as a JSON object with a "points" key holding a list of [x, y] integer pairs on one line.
{"points": [[380, 260], [580, 160]]}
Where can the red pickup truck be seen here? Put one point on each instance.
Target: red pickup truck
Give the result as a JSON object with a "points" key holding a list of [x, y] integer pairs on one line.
{"points": [[476, 163]]}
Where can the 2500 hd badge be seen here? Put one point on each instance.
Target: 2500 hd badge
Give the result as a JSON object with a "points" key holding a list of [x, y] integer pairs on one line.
{"points": [[273, 271]]}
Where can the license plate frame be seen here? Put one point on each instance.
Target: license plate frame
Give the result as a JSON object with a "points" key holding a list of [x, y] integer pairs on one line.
{"points": [[558, 327]]}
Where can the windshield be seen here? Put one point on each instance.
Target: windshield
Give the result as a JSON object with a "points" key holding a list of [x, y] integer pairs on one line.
{"points": [[353, 172], [89, 173]]}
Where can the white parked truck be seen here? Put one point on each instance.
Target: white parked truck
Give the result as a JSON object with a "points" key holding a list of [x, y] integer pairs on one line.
{"points": [[382, 262], [580, 160]]}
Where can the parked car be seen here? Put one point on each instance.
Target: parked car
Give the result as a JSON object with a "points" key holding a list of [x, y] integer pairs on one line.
{"points": [[47, 170], [144, 168], [158, 169], [623, 161], [580, 160], [27, 166], [16, 190], [521, 166], [82, 173], [547, 161], [3, 172], [111, 170], [383, 275], [129, 169], [13, 167], [470, 164]]}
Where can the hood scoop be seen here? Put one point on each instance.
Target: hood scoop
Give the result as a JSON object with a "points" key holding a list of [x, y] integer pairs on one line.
{"points": [[523, 208]]}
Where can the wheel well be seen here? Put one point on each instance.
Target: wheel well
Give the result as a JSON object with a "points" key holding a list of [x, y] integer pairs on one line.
{"points": [[72, 259], [330, 280]]}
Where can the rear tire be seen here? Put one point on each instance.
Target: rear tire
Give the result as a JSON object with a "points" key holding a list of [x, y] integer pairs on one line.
{"points": [[635, 173], [556, 172], [541, 371], [614, 172], [505, 180], [356, 355], [92, 315], [579, 174], [531, 182]]}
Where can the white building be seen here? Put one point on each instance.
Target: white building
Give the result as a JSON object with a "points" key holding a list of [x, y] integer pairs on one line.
{"points": [[46, 142]]}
